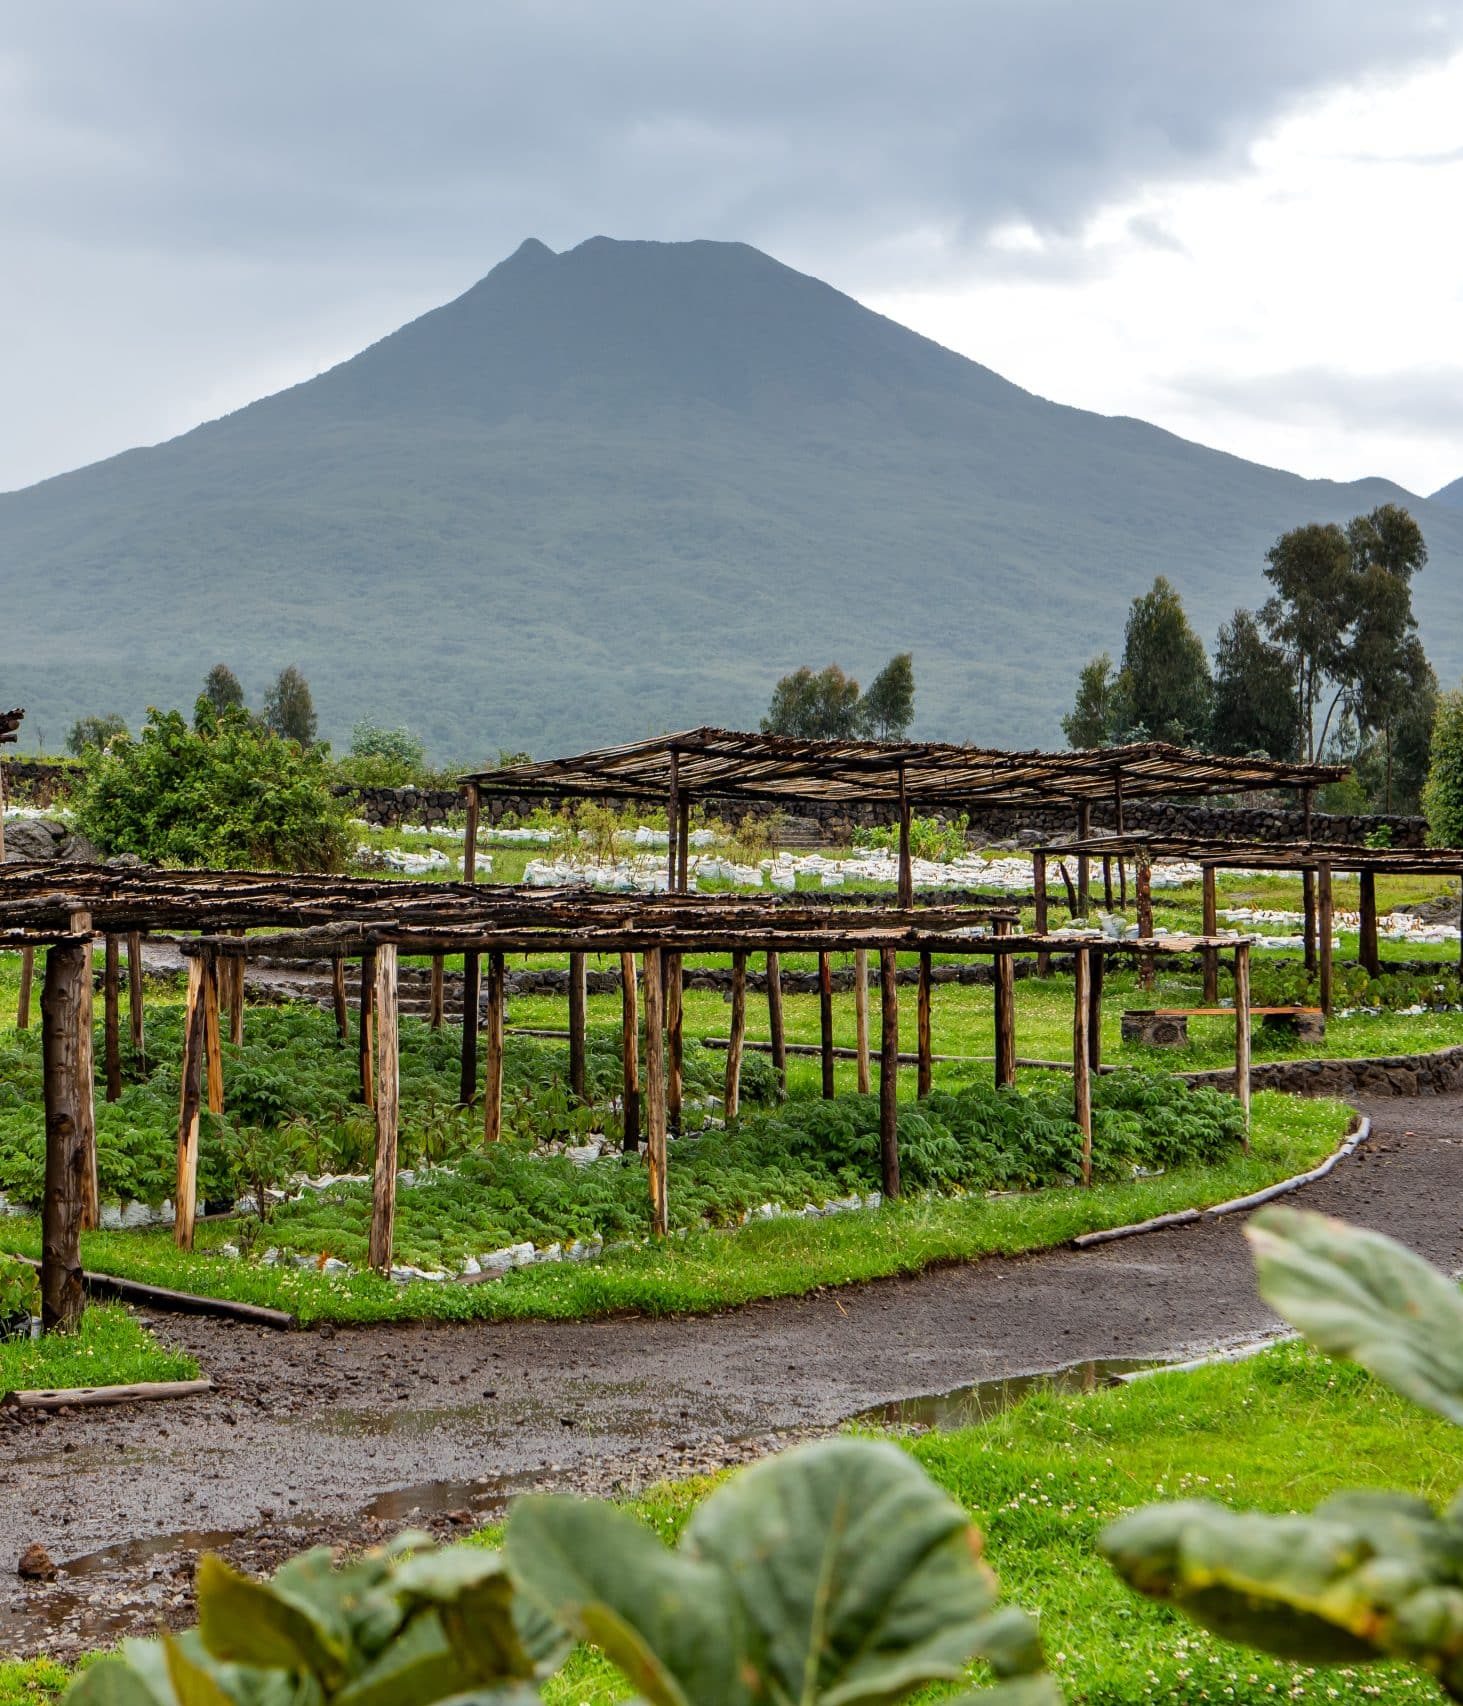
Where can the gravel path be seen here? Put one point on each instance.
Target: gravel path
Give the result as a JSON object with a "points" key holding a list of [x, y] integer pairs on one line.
{"points": [[342, 1434]]}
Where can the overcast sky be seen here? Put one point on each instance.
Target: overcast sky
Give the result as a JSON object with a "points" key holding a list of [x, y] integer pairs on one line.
{"points": [[1239, 220]]}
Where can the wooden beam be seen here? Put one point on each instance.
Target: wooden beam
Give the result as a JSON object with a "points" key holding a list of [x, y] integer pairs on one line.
{"points": [[1081, 1063], [366, 1028], [861, 1017], [86, 1397], [888, 1072], [1038, 884], [655, 1099], [135, 993], [1323, 926], [439, 979], [1370, 953], [732, 1089], [1005, 987], [578, 1018], [777, 1034], [629, 1053], [388, 1109], [338, 997], [112, 1020], [64, 1016], [493, 1051], [27, 974], [825, 1022], [185, 1193], [924, 1044], [1242, 1032], [1211, 928]]}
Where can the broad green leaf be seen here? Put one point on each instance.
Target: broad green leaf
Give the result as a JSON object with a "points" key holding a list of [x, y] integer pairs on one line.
{"points": [[497, 1635], [116, 1682], [417, 1667], [244, 1684], [857, 1577], [192, 1684], [254, 1623], [662, 1619], [1010, 1642], [1360, 1295], [1040, 1690]]}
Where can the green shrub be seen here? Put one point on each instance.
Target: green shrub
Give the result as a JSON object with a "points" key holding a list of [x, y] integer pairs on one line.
{"points": [[1442, 794]]}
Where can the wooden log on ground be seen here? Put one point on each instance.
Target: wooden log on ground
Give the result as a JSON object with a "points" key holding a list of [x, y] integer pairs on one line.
{"points": [[135, 994], [89, 1397], [924, 1043], [732, 1089], [439, 978], [1242, 1031], [112, 1018], [1038, 885], [366, 1029], [777, 1034], [1324, 925], [388, 1108], [629, 1053], [64, 1015], [1308, 908], [1081, 1064], [672, 998], [190, 1100], [888, 1072], [338, 998], [578, 1019], [1211, 928], [861, 1017], [825, 1022], [493, 1051], [655, 1099], [1369, 951], [212, 1040], [1005, 989], [27, 975]]}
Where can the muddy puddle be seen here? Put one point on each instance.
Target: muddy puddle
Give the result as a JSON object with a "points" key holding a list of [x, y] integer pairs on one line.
{"points": [[964, 1406]]}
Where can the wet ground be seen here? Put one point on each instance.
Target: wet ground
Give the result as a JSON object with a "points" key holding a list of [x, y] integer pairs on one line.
{"points": [[342, 1435]]}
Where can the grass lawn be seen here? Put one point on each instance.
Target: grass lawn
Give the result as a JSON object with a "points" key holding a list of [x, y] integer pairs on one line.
{"points": [[109, 1349], [711, 1270]]}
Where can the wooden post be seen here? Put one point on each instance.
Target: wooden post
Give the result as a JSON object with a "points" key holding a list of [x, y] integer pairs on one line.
{"points": [[924, 1045], [1117, 800], [1308, 904], [134, 993], [906, 865], [825, 1022], [365, 1028], [655, 1101], [1211, 928], [1323, 924], [1370, 952], [64, 1015], [1107, 882], [774, 1018], [1143, 883], [439, 975], [578, 1072], [888, 1073], [112, 1022], [236, 998], [493, 1074], [732, 1094], [671, 998], [861, 1017], [1307, 795], [185, 1194], [27, 974], [1095, 969], [91, 1216], [338, 998], [212, 1054], [1084, 864], [1040, 923], [1122, 883], [1004, 974], [1242, 1031], [629, 1053], [388, 1108], [673, 819], [1081, 1063], [467, 1081], [683, 844]]}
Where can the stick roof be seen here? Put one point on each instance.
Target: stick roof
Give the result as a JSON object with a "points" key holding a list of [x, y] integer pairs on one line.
{"points": [[1266, 855]]}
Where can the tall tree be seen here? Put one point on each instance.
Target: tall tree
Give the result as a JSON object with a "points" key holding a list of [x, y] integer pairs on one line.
{"points": [[91, 734], [1311, 611], [824, 706], [288, 708], [1442, 797], [222, 690], [887, 709], [1095, 716], [1164, 680], [1255, 708]]}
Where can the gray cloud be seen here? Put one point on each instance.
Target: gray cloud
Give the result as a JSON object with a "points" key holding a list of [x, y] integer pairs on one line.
{"points": [[255, 186], [1424, 402]]}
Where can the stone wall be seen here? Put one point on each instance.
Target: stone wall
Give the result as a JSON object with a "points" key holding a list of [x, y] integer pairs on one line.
{"points": [[35, 781], [1380, 1075]]}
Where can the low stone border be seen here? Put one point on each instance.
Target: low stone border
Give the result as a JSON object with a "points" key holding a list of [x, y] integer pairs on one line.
{"points": [[1236, 1205], [1430, 1074]]}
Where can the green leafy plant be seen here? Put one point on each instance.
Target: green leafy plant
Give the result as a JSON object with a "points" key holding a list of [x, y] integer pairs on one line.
{"points": [[1366, 1575], [20, 1297], [834, 1575]]}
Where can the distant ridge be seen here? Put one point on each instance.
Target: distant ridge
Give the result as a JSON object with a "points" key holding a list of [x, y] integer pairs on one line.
{"points": [[1450, 496], [623, 488]]}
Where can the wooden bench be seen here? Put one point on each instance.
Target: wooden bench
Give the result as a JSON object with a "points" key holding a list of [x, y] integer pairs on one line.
{"points": [[1168, 1027]]}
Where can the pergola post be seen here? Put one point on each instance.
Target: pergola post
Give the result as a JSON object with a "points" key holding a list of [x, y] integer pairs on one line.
{"points": [[1370, 953], [1081, 1063], [185, 1193], [732, 1090], [1143, 884], [388, 1108], [888, 1073], [1211, 928], [578, 1073], [1004, 978], [1084, 864], [471, 964], [655, 1101], [1038, 887], [438, 989], [906, 865], [775, 1028], [91, 1217], [1094, 1009], [825, 1023], [493, 1051], [1308, 908], [134, 993], [112, 1020], [22, 1003], [67, 1092], [366, 1027], [1242, 1032], [924, 1036], [236, 998], [675, 1019], [1323, 925], [629, 1054], [673, 818], [861, 1017], [212, 1051], [338, 998]]}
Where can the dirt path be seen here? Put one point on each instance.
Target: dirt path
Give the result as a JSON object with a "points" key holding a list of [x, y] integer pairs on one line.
{"points": [[343, 1434]]}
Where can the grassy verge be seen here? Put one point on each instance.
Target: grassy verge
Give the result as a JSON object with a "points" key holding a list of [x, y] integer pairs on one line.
{"points": [[712, 1270], [109, 1349]]}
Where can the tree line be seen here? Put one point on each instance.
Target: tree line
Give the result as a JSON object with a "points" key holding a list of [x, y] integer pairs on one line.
{"points": [[1330, 668], [827, 705]]}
